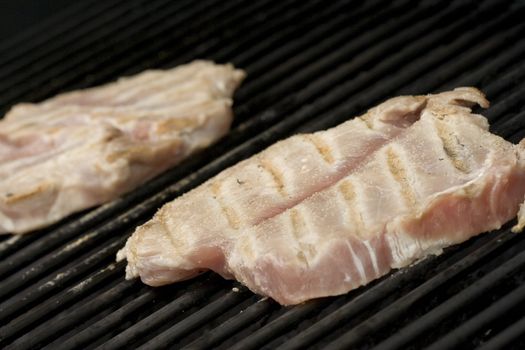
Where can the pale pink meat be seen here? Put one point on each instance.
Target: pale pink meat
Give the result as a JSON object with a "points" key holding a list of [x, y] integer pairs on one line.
{"points": [[84, 148], [321, 214]]}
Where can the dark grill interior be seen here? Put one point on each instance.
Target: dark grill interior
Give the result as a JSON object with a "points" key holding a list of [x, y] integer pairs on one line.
{"points": [[311, 65]]}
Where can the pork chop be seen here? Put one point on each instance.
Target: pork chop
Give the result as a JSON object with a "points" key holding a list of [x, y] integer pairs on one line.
{"points": [[84, 148], [321, 214]]}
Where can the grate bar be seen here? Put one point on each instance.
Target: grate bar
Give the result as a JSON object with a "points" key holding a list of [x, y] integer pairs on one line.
{"points": [[13, 243], [505, 338], [294, 315], [198, 318], [190, 50], [38, 335], [215, 50], [364, 57], [12, 329], [234, 324], [45, 264], [468, 329], [161, 316], [49, 70], [334, 94], [505, 59], [509, 126], [57, 280], [53, 28], [386, 287], [13, 258], [366, 95], [512, 77], [99, 328], [316, 41], [464, 61], [455, 303], [290, 38], [120, 314], [509, 102], [241, 16], [56, 50]]}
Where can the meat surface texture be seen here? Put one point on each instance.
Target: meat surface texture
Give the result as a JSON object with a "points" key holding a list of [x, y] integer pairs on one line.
{"points": [[84, 148], [321, 214]]}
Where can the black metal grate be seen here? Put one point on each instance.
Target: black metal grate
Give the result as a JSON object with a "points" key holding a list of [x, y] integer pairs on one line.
{"points": [[311, 65]]}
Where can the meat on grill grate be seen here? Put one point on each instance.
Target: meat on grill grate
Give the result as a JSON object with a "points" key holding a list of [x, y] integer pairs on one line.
{"points": [[321, 214], [84, 148]]}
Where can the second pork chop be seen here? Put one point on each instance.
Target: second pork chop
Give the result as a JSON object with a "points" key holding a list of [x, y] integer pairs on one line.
{"points": [[321, 214], [87, 147]]}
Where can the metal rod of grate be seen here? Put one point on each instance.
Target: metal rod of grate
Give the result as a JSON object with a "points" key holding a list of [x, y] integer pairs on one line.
{"points": [[62, 43], [505, 339], [462, 299], [463, 333], [84, 57], [54, 28], [12, 306]]}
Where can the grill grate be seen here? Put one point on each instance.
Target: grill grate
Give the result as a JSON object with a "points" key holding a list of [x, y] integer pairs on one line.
{"points": [[310, 65]]}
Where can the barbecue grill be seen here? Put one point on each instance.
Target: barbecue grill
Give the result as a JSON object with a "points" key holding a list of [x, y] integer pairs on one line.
{"points": [[310, 65]]}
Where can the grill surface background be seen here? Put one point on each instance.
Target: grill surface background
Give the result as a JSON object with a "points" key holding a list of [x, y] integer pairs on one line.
{"points": [[311, 65]]}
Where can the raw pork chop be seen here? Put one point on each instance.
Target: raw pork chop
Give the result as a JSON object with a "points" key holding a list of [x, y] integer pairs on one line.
{"points": [[321, 214], [87, 147]]}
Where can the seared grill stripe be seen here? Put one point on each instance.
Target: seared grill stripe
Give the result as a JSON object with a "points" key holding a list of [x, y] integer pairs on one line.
{"points": [[398, 171], [321, 146], [368, 123], [276, 174], [297, 224], [346, 188], [451, 148], [228, 211]]}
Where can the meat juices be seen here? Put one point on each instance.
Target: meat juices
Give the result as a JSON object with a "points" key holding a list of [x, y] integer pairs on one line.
{"points": [[321, 214], [87, 147]]}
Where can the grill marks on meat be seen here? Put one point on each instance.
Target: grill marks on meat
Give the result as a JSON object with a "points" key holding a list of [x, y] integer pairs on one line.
{"points": [[321, 214], [85, 148]]}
